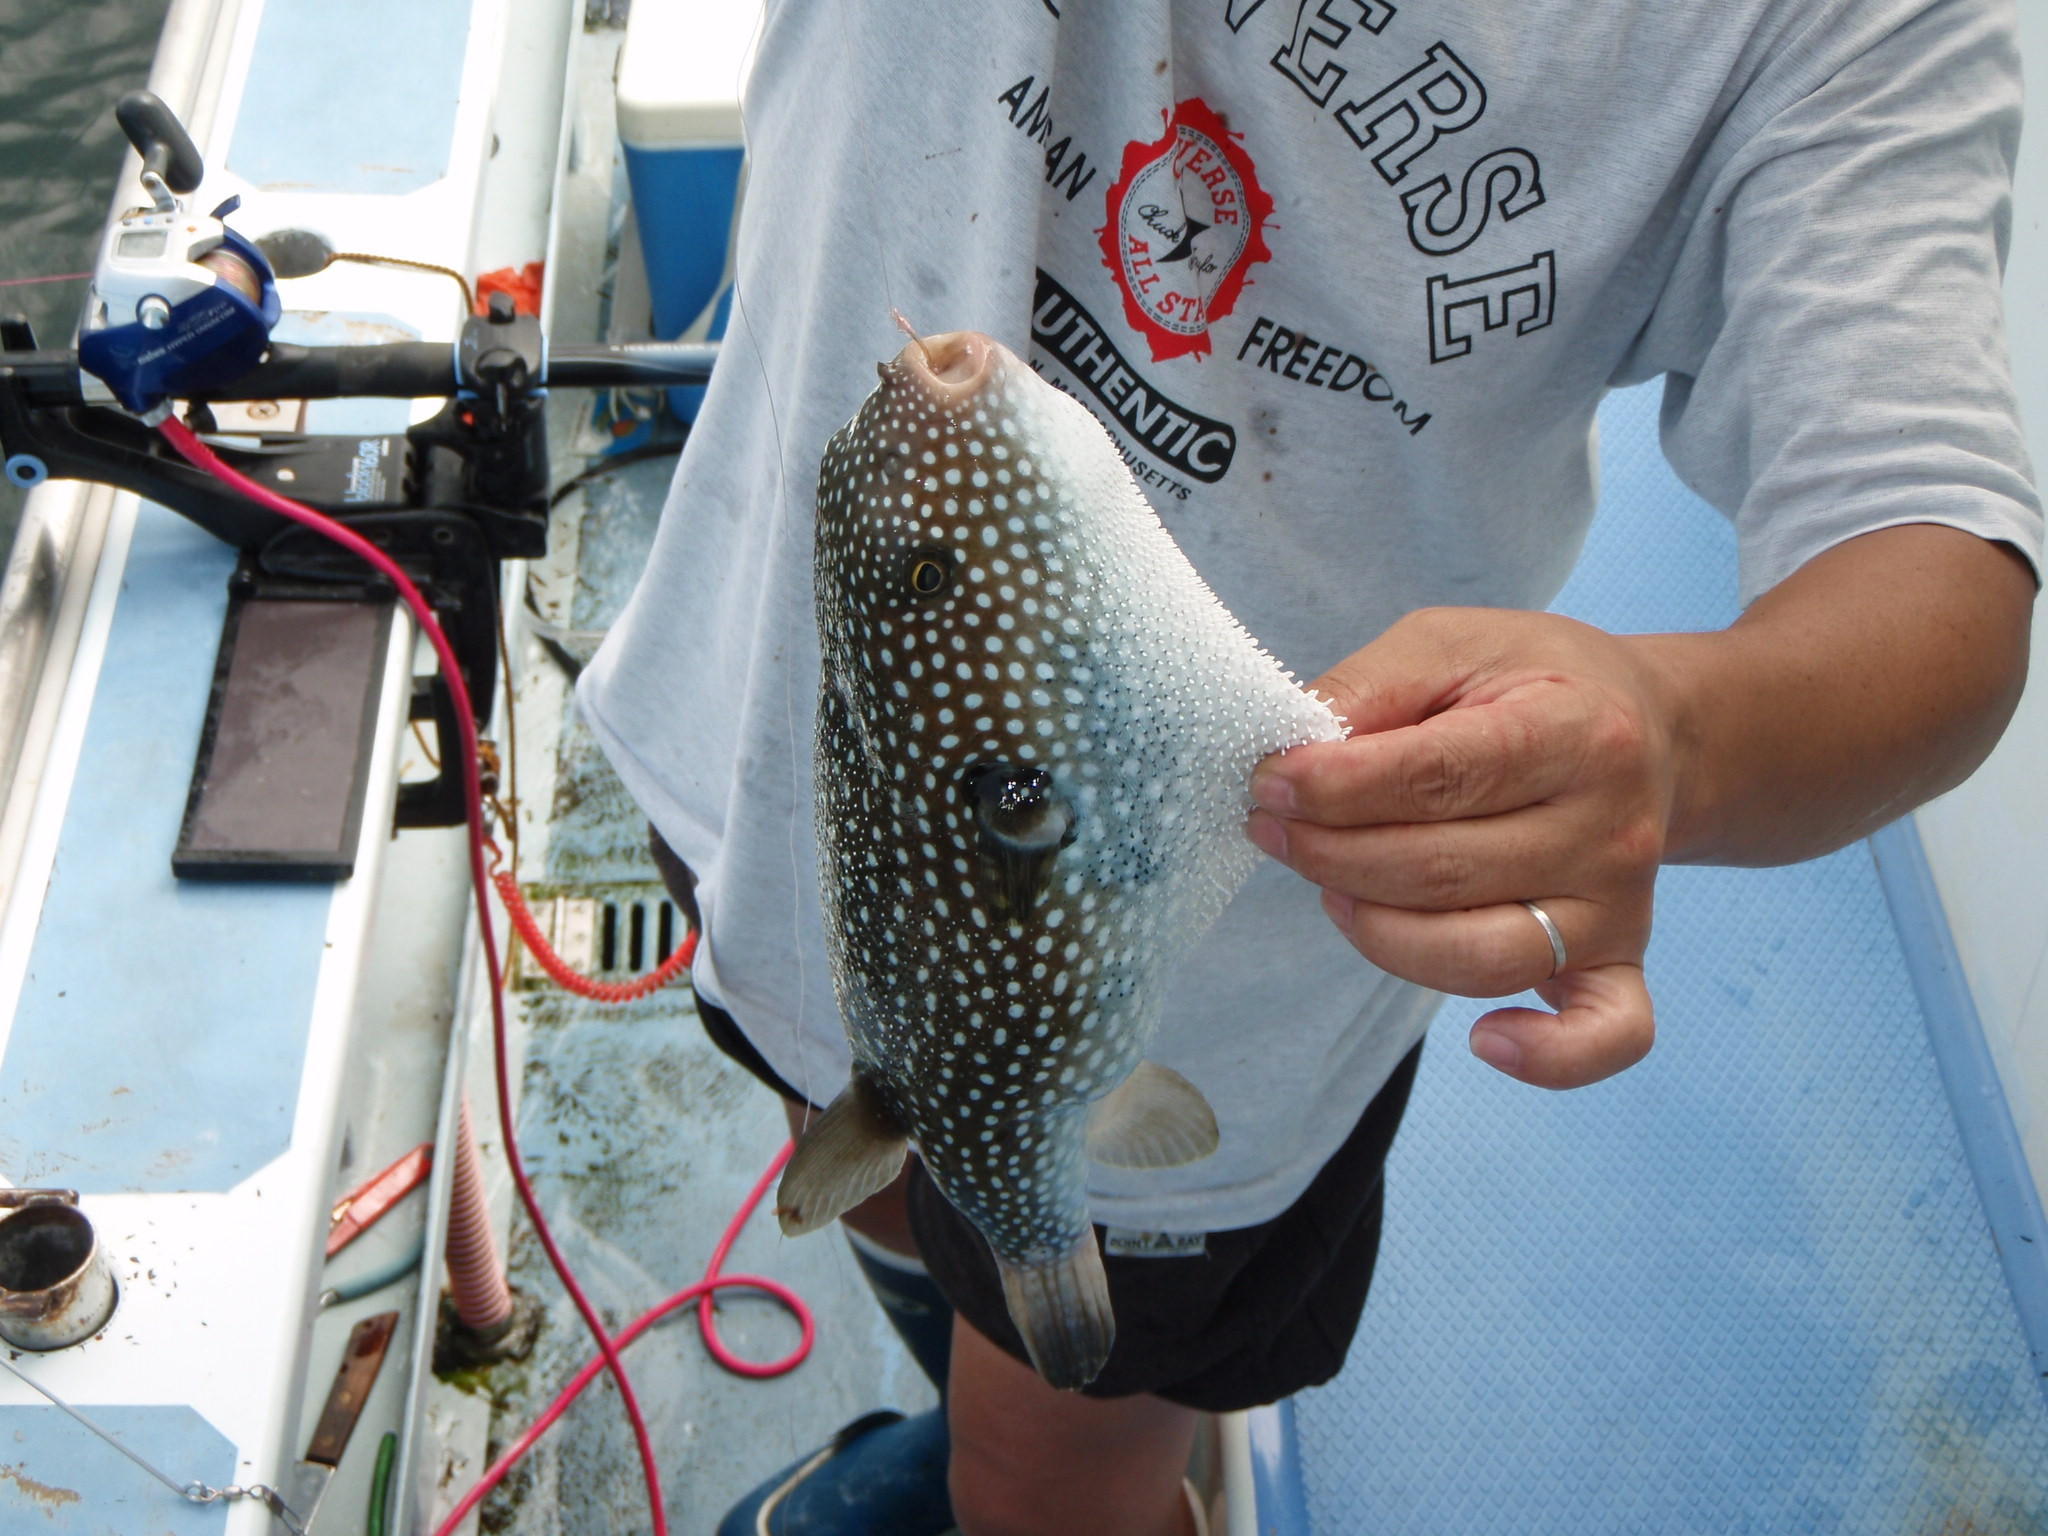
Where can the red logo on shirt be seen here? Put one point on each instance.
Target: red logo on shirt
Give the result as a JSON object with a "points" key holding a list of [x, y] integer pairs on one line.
{"points": [[1187, 220]]}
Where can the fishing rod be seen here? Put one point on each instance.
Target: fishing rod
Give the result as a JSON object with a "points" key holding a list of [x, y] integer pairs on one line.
{"points": [[180, 317]]}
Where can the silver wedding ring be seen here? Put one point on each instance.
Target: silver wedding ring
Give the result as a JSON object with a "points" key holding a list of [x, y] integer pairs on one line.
{"points": [[1549, 932]]}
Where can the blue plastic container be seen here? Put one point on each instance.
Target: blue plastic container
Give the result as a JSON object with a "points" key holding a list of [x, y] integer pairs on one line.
{"points": [[680, 75]]}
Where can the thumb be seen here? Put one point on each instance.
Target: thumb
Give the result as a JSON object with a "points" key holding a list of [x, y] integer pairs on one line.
{"points": [[1604, 1024], [1412, 671]]}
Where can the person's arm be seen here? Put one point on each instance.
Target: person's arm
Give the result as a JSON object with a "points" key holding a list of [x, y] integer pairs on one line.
{"points": [[1870, 680], [1501, 757]]}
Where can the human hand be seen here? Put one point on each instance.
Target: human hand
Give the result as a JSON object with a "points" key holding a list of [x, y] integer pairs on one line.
{"points": [[1497, 757]]}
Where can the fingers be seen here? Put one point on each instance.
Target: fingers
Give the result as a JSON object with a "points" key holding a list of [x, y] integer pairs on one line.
{"points": [[1493, 951], [1415, 668], [1496, 756], [1473, 761], [1604, 1024], [1451, 866]]}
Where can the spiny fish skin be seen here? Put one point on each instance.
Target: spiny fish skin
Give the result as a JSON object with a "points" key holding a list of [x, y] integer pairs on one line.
{"points": [[1036, 733]]}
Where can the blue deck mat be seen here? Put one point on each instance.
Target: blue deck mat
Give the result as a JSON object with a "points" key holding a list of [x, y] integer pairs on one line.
{"points": [[1747, 1287]]}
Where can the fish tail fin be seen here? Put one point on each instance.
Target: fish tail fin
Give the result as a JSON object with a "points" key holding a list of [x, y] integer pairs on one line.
{"points": [[1062, 1310], [850, 1152]]}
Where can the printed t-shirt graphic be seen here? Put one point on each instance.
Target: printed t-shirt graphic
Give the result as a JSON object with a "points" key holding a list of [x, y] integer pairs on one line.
{"points": [[1187, 221]]}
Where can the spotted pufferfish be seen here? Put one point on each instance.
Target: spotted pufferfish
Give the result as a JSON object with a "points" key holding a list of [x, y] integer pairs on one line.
{"points": [[1036, 733]]}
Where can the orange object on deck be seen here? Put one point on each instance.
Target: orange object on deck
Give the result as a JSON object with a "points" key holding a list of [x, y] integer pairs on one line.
{"points": [[358, 1209], [523, 283]]}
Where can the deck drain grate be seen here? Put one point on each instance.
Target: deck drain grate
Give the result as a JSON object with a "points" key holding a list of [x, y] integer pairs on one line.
{"points": [[608, 934]]}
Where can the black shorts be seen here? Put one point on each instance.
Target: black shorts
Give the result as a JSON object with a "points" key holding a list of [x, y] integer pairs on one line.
{"points": [[1256, 1315]]}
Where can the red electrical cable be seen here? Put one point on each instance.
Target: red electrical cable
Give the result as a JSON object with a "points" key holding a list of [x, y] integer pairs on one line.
{"points": [[182, 439], [701, 1292], [707, 1319], [568, 978]]}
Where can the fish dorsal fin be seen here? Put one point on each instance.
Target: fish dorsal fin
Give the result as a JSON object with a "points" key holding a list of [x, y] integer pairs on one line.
{"points": [[850, 1152], [1155, 1118], [1023, 821]]}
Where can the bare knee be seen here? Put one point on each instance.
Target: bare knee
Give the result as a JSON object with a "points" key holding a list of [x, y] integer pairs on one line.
{"points": [[1030, 1461]]}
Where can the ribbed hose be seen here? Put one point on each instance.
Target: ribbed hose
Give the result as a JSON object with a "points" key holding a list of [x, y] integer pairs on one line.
{"points": [[476, 1273]]}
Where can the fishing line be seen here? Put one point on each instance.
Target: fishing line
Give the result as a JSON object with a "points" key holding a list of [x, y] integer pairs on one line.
{"points": [[798, 753], [788, 512], [55, 277], [796, 936], [792, 1421], [903, 324], [874, 201]]}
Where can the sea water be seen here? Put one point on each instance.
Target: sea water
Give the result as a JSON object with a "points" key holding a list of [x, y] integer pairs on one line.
{"points": [[63, 64]]}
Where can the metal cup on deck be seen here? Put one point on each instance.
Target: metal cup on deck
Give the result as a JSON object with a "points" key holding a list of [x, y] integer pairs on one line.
{"points": [[56, 1287]]}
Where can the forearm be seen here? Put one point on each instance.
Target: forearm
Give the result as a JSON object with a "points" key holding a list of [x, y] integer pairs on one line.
{"points": [[1873, 678]]}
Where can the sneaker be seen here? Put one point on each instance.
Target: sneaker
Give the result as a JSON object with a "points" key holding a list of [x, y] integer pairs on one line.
{"points": [[882, 1475]]}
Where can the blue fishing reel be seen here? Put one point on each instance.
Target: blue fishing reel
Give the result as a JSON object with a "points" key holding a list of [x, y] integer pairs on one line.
{"points": [[181, 304]]}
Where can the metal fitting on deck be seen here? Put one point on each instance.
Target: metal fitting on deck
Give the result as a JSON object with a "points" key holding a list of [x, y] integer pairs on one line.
{"points": [[56, 1287]]}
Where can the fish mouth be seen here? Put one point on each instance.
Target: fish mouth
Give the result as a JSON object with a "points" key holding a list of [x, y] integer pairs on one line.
{"points": [[951, 367]]}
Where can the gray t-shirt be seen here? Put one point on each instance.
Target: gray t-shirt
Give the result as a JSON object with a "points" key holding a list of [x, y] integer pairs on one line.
{"points": [[1346, 279]]}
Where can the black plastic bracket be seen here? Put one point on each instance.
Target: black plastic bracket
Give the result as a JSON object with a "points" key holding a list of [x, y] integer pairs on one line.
{"points": [[439, 801], [449, 499]]}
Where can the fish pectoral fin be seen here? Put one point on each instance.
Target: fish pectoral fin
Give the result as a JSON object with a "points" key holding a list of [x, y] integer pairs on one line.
{"points": [[1022, 821], [850, 1152], [1062, 1310], [1155, 1118]]}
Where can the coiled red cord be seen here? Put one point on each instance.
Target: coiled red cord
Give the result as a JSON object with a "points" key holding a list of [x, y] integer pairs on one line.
{"points": [[181, 438], [714, 1280], [572, 980]]}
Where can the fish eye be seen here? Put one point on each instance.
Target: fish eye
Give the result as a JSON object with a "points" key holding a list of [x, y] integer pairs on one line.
{"points": [[928, 571]]}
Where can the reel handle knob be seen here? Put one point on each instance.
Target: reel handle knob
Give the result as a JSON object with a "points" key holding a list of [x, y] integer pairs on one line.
{"points": [[166, 148]]}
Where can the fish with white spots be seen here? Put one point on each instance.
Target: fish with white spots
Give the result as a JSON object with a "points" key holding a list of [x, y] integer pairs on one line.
{"points": [[1036, 733]]}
